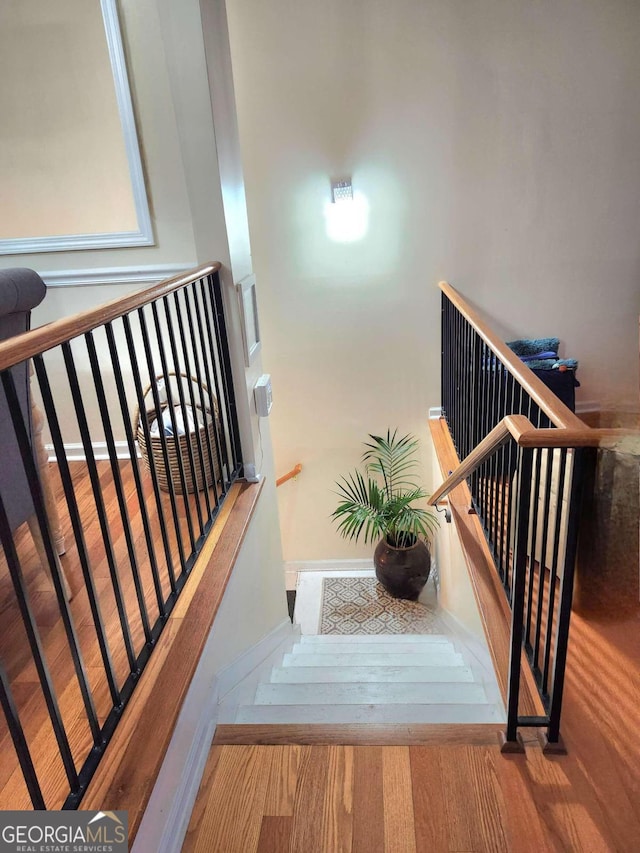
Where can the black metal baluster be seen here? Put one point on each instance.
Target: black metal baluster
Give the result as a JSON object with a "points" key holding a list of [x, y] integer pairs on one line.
{"points": [[222, 342], [449, 354], [554, 572], [135, 468], [500, 456], [76, 523], [482, 419], [456, 384], [85, 436], [20, 742], [117, 482], [534, 535], [163, 439], [151, 462], [28, 620], [494, 462], [201, 448], [174, 423], [31, 473], [224, 354], [475, 407], [467, 391], [206, 409], [443, 356], [517, 600], [216, 390], [543, 556], [183, 406], [566, 594]]}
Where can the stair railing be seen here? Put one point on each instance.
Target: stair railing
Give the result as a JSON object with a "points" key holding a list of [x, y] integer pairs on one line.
{"points": [[135, 528], [290, 475], [524, 455]]}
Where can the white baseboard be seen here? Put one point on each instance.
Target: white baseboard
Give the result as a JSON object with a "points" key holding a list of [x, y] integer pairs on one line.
{"points": [[166, 818], [293, 567], [74, 451]]}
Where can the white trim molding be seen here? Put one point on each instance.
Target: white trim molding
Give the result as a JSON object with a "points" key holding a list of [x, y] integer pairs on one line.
{"points": [[74, 451], [292, 568], [143, 236], [115, 275]]}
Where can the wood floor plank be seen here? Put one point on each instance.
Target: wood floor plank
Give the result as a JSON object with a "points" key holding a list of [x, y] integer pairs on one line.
{"points": [[487, 832], [524, 830], [556, 805], [428, 798], [275, 834], [368, 800], [283, 778], [308, 813], [338, 818], [399, 820], [232, 820], [455, 795]]}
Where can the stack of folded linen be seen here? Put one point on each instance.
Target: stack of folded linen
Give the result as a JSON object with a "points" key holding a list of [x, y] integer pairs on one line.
{"points": [[542, 354]]}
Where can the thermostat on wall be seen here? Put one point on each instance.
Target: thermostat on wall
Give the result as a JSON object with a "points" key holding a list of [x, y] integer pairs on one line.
{"points": [[262, 395]]}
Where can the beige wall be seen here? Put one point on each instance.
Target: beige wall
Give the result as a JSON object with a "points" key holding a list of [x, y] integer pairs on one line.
{"points": [[163, 162], [497, 144], [63, 164]]}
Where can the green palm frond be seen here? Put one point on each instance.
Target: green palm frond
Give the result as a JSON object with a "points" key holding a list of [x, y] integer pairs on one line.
{"points": [[384, 509], [361, 508], [392, 458]]}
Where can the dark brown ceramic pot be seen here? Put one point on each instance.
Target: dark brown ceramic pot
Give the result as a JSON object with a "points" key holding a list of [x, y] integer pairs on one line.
{"points": [[403, 572]]}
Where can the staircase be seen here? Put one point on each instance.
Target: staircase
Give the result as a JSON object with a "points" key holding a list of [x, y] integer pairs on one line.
{"points": [[375, 679]]}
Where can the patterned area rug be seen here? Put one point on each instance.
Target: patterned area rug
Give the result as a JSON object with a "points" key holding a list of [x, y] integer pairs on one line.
{"points": [[362, 606]]}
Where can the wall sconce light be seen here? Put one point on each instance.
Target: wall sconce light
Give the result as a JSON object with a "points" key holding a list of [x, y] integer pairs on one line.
{"points": [[341, 190], [347, 215]]}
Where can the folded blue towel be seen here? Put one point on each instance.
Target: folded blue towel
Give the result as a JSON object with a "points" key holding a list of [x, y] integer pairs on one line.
{"points": [[534, 346], [547, 354]]}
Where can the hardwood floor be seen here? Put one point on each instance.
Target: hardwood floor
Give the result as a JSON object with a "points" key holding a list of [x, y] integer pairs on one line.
{"points": [[305, 799], [446, 796], [14, 648]]}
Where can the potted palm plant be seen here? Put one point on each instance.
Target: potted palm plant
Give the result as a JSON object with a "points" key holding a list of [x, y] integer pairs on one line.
{"points": [[380, 505]]}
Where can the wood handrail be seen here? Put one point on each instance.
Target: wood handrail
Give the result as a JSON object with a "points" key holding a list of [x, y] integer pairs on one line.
{"points": [[289, 475], [525, 434], [556, 411], [25, 346]]}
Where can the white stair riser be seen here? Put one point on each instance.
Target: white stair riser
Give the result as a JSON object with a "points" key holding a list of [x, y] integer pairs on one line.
{"points": [[372, 714], [379, 674], [402, 639], [358, 647], [361, 694], [374, 659]]}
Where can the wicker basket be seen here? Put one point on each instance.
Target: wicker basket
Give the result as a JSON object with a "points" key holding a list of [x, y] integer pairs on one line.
{"points": [[178, 446]]}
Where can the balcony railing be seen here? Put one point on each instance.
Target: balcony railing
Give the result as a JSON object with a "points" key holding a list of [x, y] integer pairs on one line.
{"points": [[145, 383]]}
